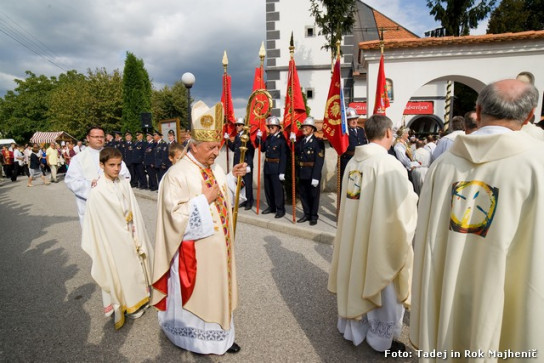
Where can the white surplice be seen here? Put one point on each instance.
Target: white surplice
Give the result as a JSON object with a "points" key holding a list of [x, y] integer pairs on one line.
{"points": [[84, 168]]}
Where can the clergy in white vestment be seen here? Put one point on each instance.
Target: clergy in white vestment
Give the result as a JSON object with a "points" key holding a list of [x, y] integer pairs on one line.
{"points": [[85, 169], [478, 280], [194, 277], [115, 237], [372, 260]]}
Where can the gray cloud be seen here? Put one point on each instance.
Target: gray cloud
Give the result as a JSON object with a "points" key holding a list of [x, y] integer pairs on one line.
{"points": [[171, 36]]}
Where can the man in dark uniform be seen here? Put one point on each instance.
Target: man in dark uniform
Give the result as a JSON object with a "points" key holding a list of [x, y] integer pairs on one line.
{"points": [[138, 160], [356, 137], [109, 140], [161, 155], [118, 142], [310, 152], [250, 152], [275, 148], [149, 163], [128, 157]]}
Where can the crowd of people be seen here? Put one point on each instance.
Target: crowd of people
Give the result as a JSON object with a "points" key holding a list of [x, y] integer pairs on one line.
{"points": [[447, 227], [37, 160]]}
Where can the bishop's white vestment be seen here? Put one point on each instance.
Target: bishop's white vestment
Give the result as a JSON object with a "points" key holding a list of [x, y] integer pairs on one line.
{"points": [[372, 260], [478, 273], [194, 280]]}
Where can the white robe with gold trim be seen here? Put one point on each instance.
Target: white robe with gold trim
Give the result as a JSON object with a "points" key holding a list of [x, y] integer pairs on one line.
{"points": [[204, 325], [115, 246], [372, 259], [479, 247]]}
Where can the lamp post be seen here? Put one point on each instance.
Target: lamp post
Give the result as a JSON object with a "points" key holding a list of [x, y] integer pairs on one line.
{"points": [[188, 80]]}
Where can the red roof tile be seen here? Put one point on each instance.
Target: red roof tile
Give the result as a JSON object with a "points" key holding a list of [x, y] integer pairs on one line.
{"points": [[392, 30], [390, 43]]}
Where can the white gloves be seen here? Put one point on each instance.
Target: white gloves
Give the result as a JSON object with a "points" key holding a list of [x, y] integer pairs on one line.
{"points": [[248, 169], [315, 183], [226, 136], [293, 137], [282, 177], [259, 134]]}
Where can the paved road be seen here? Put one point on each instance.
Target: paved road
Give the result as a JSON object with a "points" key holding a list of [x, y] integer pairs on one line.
{"points": [[50, 308]]}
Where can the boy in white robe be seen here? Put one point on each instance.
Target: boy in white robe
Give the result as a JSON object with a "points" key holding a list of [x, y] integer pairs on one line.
{"points": [[372, 260], [115, 237]]}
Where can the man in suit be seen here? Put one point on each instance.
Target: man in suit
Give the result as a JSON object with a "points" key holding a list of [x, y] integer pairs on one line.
{"points": [[248, 159], [149, 163], [128, 153], [275, 148], [138, 160], [161, 155], [356, 137], [310, 152]]}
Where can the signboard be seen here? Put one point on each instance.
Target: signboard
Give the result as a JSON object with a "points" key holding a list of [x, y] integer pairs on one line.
{"points": [[412, 108], [419, 108]]}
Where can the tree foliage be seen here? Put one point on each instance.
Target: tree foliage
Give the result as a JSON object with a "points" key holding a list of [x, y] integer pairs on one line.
{"points": [[459, 16], [516, 16], [136, 92], [170, 102], [24, 110], [71, 103], [334, 18]]}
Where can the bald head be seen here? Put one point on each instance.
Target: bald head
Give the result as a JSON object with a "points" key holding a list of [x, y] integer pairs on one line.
{"points": [[508, 103]]}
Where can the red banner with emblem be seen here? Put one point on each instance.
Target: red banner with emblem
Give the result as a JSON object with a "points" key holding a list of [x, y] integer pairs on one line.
{"points": [[382, 101], [228, 109], [295, 110], [256, 123], [334, 121]]}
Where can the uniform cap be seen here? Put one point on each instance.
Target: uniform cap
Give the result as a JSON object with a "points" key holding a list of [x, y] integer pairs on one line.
{"points": [[240, 121], [309, 121], [351, 113], [273, 121]]}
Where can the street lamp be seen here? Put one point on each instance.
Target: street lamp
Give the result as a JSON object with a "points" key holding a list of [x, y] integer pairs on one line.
{"points": [[188, 80]]}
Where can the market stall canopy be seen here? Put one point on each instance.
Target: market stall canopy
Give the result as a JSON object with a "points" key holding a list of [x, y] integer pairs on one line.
{"points": [[41, 137]]}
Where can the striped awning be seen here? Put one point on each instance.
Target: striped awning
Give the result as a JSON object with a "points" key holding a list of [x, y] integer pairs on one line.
{"points": [[41, 137]]}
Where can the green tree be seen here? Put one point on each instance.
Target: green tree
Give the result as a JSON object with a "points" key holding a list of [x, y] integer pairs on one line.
{"points": [[459, 16], [80, 101], [170, 102], [136, 92], [334, 18], [516, 16], [69, 103], [24, 110]]}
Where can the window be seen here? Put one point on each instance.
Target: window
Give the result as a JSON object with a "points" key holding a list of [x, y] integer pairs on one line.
{"points": [[310, 31], [309, 93]]}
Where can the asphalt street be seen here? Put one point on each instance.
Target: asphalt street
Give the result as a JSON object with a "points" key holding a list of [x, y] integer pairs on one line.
{"points": [[50, 308]]}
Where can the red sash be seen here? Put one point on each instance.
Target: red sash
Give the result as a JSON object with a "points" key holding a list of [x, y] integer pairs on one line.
{"points": [[187, 275]]}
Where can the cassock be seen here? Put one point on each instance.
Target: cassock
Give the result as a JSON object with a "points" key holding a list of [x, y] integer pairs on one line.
{"points": [[194, 277], [478, 272], [115, 238], [372, 260], [84, 168]]}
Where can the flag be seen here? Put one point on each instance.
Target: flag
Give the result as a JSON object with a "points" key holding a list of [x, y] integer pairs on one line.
{"points": [[295, 110], [228, 108], [258, 83], [335, 126], [382, 101]]}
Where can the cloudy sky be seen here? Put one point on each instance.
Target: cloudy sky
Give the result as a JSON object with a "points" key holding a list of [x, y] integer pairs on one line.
{"points": [[171, 36]]}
